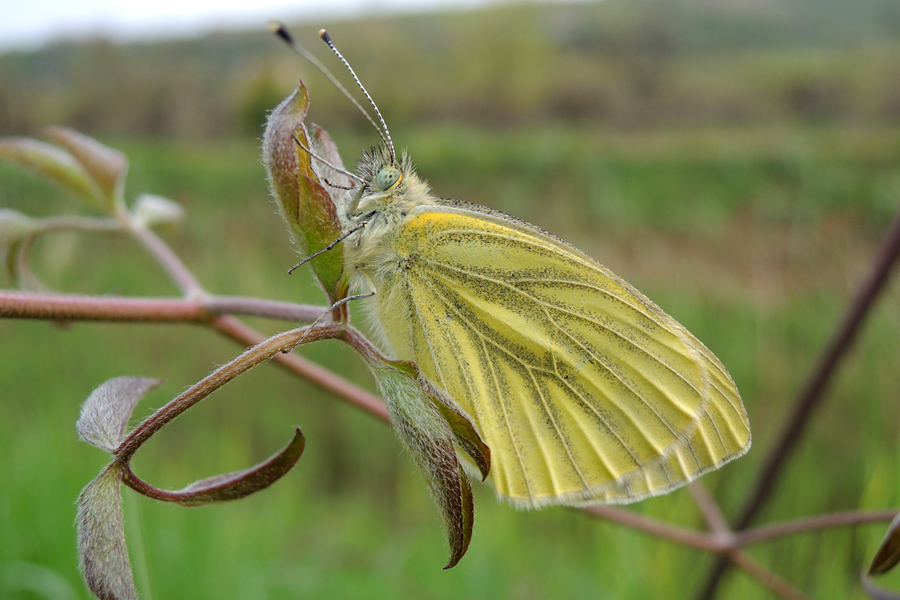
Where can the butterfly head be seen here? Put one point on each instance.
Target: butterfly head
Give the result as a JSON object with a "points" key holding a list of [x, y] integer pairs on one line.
{"points": [[388, 178], [387, 181]]}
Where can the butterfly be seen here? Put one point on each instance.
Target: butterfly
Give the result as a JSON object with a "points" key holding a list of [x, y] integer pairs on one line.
{"points": [[584, 389]]}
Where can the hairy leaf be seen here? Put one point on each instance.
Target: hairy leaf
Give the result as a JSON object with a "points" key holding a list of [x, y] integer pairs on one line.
{"points": [[304, 203], [425, 432], [102, 551], [105, 413]]}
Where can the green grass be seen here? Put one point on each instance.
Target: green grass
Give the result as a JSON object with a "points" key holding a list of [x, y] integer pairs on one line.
{"points": [[754, 239]]}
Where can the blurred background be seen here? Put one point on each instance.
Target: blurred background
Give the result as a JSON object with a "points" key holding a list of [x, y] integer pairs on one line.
{"points": [[736, 160]]}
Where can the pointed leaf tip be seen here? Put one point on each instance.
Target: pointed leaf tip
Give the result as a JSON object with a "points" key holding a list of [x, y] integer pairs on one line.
{"points": [[296, 183], [229, 486], [461, 533], [105, 413], [888, 554], [420, 423]]}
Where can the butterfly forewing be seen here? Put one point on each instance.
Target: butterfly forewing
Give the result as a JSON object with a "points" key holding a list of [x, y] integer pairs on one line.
{"points": [[584, 389]]}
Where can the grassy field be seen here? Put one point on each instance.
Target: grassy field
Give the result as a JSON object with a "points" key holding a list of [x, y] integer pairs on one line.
{"points": [[753, 239], [740, 174]]}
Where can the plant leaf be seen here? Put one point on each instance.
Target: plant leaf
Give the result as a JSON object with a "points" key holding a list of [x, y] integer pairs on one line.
{"points": [[102, 552], [464, 433], [875, 592], [106, 166], [324, 147], [304, 203], [154, 210], [53, 164], [14, 226], [888, 554], [229, 486], [105, 413], [426, 434], [19, 268]]}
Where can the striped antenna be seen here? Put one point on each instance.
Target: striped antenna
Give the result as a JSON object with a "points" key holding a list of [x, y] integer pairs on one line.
{"points": [[281, 31], [383, 132]]}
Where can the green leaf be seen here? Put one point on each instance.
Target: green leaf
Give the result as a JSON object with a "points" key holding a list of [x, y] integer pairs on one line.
{"points": [[295, 180], [106, 166], [464, 433], [54, 164]]}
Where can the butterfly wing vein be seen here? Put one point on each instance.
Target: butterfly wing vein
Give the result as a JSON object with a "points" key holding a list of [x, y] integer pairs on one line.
{"points": [[583, 388]]}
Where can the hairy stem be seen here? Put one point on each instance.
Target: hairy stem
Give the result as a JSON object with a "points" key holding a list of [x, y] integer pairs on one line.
{"points": [[71, 307], [257, 354]]}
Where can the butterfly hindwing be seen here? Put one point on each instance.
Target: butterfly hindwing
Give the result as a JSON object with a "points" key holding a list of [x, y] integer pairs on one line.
{"points": [[583, 388]]}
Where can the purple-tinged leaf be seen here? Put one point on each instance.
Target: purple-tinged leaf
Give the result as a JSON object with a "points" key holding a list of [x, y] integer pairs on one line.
{"points": [[422, 428], [53, 164], [888, 554], [102, 551], [106, 166], [305, 204], [105, 413], [324, 147], [230, 486], [464, 433]]}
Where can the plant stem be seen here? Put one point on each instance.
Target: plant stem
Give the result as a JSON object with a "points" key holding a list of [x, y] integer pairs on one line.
{"points": [[203, 388], [813, 392]]}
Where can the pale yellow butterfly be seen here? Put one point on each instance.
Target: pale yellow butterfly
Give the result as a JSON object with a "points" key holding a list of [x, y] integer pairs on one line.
{"points": [[583, 388]]}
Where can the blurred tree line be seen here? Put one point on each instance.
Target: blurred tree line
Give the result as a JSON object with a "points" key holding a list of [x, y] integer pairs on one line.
{"points": [[620, 63]]}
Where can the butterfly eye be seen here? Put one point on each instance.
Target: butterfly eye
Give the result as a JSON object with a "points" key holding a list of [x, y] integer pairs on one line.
{"points": [[387, 178]]}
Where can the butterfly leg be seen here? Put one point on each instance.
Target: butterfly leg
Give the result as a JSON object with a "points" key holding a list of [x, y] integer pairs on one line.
{"points": [[321, 317]]}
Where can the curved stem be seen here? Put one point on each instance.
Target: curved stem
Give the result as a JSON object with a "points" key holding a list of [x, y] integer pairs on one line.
{"points": [[317, 374], [70, 307], [203, 388]]}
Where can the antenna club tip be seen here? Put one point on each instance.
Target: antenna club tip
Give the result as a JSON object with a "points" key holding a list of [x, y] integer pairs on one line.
{"points": [[324, 35], [278, 28]]}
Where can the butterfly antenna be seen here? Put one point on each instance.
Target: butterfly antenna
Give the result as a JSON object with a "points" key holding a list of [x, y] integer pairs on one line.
{"points": [[343, 172], [383, 131], [281, 31]]}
